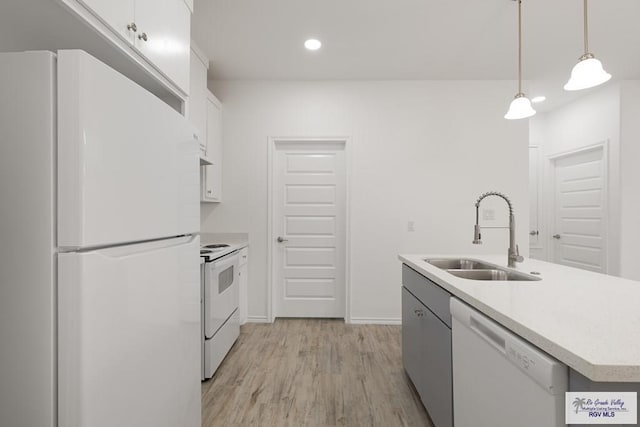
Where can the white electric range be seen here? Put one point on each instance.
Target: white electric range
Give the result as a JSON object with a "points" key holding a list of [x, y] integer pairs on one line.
{"points": [[219, 308]]}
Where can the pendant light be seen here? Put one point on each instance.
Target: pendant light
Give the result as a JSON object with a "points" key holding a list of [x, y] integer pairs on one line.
{"points": [[520, 107], [588, 72]]}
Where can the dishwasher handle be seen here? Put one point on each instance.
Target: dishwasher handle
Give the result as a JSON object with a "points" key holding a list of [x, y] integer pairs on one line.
{"points": [[487, 333], [545, 370]]}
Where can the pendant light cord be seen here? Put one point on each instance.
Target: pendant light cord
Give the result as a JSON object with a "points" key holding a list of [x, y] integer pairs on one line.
{"points": [[520, 46], [586, 29]]}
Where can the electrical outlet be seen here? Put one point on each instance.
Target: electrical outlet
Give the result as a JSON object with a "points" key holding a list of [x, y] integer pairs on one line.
{"points": [[411, 226]]}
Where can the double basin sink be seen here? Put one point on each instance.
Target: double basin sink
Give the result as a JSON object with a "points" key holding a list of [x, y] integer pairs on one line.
{"points": [[478, 270]]}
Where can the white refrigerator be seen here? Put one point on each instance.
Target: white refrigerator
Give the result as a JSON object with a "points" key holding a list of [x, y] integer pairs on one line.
{"points": [[99, 260]]}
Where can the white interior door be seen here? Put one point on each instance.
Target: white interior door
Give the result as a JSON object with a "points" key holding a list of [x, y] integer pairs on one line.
{"points": [[580, 194], [308, 229]]}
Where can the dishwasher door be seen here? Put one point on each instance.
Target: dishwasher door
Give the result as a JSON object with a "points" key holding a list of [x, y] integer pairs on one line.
{"points": [[500, 380]]}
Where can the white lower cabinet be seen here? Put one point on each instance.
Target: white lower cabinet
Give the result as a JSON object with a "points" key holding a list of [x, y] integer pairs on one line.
{"points": [[243, 272]]}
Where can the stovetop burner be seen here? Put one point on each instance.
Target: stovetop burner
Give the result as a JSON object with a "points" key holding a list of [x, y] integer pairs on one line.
{"points": [[216, 245]]}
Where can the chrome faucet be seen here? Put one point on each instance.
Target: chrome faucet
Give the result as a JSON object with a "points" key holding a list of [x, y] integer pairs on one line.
{"points": [[514, 252]]}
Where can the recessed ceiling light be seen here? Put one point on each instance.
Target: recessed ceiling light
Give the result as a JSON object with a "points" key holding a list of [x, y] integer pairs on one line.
{"points": [[537, 99], [312, 44]]}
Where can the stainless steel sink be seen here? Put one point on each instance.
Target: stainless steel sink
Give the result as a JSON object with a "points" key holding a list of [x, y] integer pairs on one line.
{"points": [[492, 274], [459, 264], [478, 270]]}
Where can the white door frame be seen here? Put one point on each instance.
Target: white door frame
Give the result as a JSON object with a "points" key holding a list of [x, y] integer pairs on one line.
{"points": [[272, 145], [539, 198], [550, 217]]}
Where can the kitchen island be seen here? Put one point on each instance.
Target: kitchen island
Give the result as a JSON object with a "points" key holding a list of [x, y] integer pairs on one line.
{"points": [[589, 321]]}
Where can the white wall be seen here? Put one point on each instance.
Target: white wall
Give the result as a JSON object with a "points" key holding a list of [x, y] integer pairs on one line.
{"points": [[421, 151], [630, 180], [589, 120]]}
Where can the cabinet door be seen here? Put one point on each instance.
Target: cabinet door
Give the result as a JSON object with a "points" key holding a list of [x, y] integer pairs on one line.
{"points": [[212, 175], [426, 356], [198, 100], [118, 14], [214, 129], [163, 37], [243, 283], [211, 181]]}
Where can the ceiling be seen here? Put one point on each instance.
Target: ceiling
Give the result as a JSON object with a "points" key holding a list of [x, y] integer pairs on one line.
{"points": [[414, 39]]}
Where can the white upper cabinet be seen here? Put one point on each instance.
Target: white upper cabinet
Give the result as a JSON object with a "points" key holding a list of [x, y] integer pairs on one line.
{"points": [[211, 176], [163, 36], [158, 29], [197, 104], [118, 14], [214, 129]]}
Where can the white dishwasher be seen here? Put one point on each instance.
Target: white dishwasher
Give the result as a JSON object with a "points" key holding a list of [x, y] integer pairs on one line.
{"points": [[500, 380]]}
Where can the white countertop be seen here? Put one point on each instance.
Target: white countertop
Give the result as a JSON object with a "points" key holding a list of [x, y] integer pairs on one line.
{"points": [[589, 321]]}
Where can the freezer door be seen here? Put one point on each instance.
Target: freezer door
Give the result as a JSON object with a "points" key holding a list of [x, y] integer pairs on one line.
{"points": [[129, 336], [128, 167]]}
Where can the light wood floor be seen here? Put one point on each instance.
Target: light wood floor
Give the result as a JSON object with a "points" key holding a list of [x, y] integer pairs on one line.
{"points": [[310, 372]]}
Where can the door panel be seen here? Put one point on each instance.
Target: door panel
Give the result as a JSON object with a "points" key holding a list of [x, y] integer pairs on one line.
{"points": [[309, 202], [127, 163], [311, 225], [310, 288], [580, 222], [129, 335]]}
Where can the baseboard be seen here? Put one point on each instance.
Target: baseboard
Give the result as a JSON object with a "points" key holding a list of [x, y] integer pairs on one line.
{"points": [[257, 319], [375, 321], [354, 320]]}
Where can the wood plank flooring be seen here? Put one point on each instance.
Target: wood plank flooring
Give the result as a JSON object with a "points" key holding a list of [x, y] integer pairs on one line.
{"points": [[313, 372]]}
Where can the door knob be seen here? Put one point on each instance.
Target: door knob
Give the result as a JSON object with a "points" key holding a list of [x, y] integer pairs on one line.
{"points": [[556, 236], [280, 239], [143, 36], [132, 27], [534, 233]]}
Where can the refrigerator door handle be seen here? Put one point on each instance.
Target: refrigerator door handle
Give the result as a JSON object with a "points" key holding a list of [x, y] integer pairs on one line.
{"points": [[129, 250]]}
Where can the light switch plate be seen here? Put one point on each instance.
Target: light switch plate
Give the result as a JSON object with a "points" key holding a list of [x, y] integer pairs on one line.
{"points": [[488, 214]]}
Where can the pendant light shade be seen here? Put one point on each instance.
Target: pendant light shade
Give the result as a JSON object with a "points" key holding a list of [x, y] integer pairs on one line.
{"points": [[588, 72], [520, 107]]}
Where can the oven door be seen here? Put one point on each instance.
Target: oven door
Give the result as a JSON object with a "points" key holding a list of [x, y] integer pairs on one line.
{"points": [[220, 292]]}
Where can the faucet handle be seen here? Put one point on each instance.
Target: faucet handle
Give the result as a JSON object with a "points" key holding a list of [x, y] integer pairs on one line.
{"points": [[518, 258], [477, 237]]}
